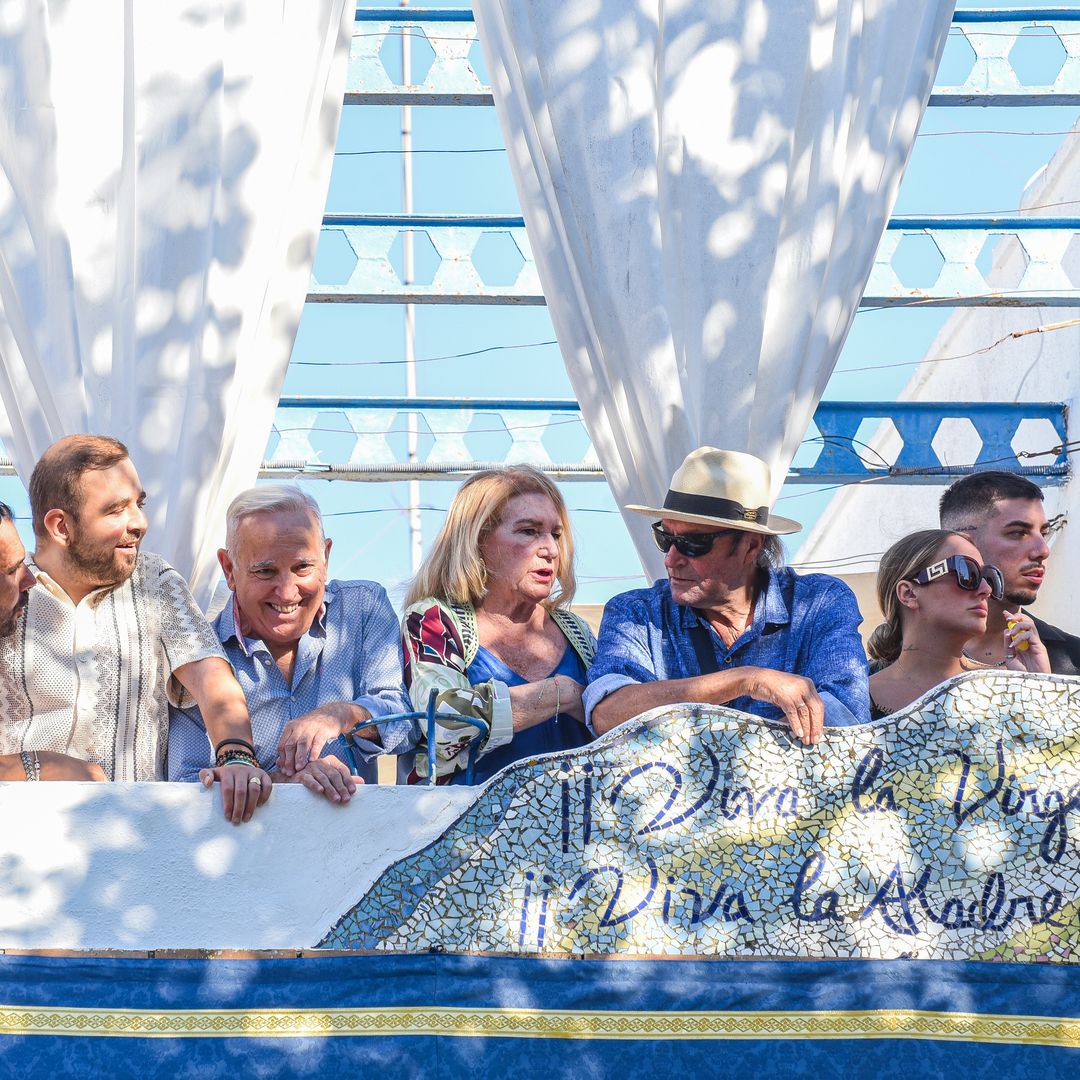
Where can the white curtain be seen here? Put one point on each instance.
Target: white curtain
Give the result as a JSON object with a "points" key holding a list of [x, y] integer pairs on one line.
{"points": [[704, 184], [163, 172]]}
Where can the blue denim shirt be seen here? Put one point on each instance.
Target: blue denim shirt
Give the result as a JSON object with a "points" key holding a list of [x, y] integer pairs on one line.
{"points": [[352, 652], [807, 625]]}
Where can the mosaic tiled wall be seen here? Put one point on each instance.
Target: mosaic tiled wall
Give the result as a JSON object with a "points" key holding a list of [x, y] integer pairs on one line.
{"points": [[945, 832]]}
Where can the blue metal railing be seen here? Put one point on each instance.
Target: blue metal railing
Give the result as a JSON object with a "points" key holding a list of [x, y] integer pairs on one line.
{"points": [[410, 15], [1021, 255], [999, 223], [991, 79], [954, 269], [1002, 222], [430, 716], [993, 437], [993, 15]]}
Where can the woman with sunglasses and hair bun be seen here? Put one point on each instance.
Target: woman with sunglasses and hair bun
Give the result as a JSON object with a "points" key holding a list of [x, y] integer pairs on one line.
{"points": [[932, 589], [487, 625]]}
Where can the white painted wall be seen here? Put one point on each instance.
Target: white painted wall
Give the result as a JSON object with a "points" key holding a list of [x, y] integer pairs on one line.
{"points": [[1037, 367], [156, 866]]}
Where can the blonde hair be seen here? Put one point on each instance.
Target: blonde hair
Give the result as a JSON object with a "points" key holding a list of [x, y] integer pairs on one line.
{"points": [[906, 558], [454, 569]]}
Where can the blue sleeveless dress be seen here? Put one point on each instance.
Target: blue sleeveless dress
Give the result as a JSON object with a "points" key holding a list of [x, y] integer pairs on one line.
{"points": [[563, 733]]}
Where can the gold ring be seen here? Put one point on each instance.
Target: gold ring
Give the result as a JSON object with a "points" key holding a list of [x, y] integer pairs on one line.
{"points": [[256, 781]]}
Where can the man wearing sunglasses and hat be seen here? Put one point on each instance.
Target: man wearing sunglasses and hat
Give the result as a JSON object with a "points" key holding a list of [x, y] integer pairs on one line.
{"points": [[731, 625]]}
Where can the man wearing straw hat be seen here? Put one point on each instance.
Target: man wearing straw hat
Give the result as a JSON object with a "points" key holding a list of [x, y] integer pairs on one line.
{"points": [[731, 625]]}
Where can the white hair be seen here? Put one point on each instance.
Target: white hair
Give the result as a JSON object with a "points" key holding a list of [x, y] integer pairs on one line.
{"points": [[268, 499]]}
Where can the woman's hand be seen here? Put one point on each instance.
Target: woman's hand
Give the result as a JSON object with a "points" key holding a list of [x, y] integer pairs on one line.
{"points": [[569, 694], [1019, 633], [536, 702]]}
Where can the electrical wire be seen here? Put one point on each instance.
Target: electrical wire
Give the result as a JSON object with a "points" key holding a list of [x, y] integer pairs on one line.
{"points": [[877, 463], [988, 131], [839, 563], [416, 35], [502, 149], [949, 301], [892, 473], [1009, 213], [399, 151], [1049, 327], [421, 359], [434, 510], [546, 344]]}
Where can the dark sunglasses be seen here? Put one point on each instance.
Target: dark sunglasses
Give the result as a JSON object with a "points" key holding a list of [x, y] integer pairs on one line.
{"points": [[692, 545], [968, 574]]}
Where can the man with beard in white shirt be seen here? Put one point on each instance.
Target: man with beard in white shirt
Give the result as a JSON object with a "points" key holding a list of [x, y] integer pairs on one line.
{"points": [[15, 584], [112, 635]]}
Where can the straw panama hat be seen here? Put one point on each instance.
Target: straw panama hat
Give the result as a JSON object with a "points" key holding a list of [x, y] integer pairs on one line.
{"points": [[721, 487]]}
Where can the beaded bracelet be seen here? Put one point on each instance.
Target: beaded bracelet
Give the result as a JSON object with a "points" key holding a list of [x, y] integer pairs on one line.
{"points": [[31, 764], [243, 743], [235, 757]]}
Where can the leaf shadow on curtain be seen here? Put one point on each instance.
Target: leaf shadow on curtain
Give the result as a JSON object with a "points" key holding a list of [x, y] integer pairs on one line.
{"points": [[164, 184], [704, 188]]}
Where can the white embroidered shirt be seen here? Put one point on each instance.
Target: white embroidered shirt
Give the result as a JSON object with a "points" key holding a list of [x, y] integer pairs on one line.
{"points": [[95, 679]]}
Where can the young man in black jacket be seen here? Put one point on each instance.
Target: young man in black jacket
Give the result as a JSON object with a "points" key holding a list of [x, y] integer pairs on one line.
{"points": [[1004, 516]]}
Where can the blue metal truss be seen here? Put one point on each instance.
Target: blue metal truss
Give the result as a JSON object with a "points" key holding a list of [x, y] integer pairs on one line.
{"points": [[965, 261], [1011, 261], [1027, 437], [991, 36]]}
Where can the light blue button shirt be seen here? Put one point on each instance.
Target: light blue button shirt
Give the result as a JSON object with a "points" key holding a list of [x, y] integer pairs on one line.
{"points": [[351, 653]]}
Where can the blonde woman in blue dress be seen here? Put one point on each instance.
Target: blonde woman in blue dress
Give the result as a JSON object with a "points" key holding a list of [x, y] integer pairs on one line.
{"points": [[488, 624]]}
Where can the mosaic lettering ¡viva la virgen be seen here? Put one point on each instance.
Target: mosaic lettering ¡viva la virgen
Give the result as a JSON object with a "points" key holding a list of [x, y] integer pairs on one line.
{"points": [[944, 832]]}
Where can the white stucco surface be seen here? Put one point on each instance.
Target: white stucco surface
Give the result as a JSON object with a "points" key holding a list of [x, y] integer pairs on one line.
{"points": [[156, 866], [863, 520]]}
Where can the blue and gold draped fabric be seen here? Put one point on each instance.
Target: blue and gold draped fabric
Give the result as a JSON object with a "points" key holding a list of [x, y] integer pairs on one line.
{"points": [[448, 1016], [695, 890]]}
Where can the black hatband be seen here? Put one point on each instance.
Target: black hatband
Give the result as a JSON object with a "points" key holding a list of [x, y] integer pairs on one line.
{"points": [[706, 506]]}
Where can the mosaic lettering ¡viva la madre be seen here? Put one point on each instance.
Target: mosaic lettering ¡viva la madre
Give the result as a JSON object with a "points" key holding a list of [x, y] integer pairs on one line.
{"points": [[942, 832]]}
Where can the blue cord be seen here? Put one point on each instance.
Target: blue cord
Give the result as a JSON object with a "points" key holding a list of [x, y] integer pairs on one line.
{"points": [[430, 715]]}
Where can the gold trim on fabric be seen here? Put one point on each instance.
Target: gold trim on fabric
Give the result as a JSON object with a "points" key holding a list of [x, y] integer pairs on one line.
{"points": [[539, 1024]]}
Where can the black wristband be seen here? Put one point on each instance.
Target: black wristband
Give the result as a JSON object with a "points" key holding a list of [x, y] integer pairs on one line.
{"points": [[233, 742]]}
